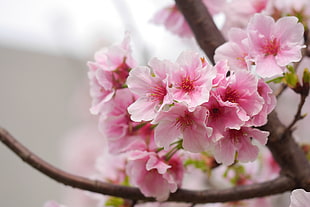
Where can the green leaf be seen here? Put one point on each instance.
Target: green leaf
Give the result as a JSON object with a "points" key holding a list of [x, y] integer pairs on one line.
{"points": [[291, 79], [114, 202]]}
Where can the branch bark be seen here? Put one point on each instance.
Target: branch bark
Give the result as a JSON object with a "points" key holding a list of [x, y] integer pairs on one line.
{"points": [[279, 185]]}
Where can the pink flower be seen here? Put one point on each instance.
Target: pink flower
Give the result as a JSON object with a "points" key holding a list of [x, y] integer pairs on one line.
{"points": [[274, 45], [300, 198], [178, 122], [155, 176], [116, 125], [240, 91], [221, 116], [269, 104], [240, 142], [236, 50], [222, 70], [150, 84], [109, 72], [192, 83]]}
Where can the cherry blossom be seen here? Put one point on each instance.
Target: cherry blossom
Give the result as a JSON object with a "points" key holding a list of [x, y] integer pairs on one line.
{"points": [[269, 104], [150, 84], [179, 123], [109, 72], [241, 91], [238, 141], [274, 45], [117, 127], [221, 116], [191, 83], [235, 51], [153, 175]]}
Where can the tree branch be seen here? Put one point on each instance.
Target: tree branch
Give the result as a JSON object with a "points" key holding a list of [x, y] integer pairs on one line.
{"points": [[199, 19], [279, 185]]}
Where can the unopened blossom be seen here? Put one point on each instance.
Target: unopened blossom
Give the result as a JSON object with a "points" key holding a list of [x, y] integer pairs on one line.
{"points": [[179, 123], [155, 176], [300, 198], [150, 84], [273, 45], [109, 72], [238, 144], [191, 83]]}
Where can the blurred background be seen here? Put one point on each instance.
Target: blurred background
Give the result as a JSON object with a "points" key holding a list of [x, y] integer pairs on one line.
{"points": [[44, 48]]}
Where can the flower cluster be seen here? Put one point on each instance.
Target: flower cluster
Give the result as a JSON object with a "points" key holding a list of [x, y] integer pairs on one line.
{"points": [[270, 47], [155, 113], [203, 106]]}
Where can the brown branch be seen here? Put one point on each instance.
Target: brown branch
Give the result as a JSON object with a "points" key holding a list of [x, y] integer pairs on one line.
{"points": [[199, 19], [279, 185]]}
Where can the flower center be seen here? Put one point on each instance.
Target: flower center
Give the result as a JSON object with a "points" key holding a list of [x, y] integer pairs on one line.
{"points": [[158, 93], [120, 74], [231, 95], [187, 84], [235, 135], [271, 47], [185, 121], [214, 113]]}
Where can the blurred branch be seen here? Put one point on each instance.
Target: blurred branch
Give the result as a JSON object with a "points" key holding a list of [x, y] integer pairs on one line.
{"points": [[279, 185]]}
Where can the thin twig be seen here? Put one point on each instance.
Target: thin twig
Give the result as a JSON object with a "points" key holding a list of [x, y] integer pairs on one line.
{"points": [[298, 116], [278, 185]]}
